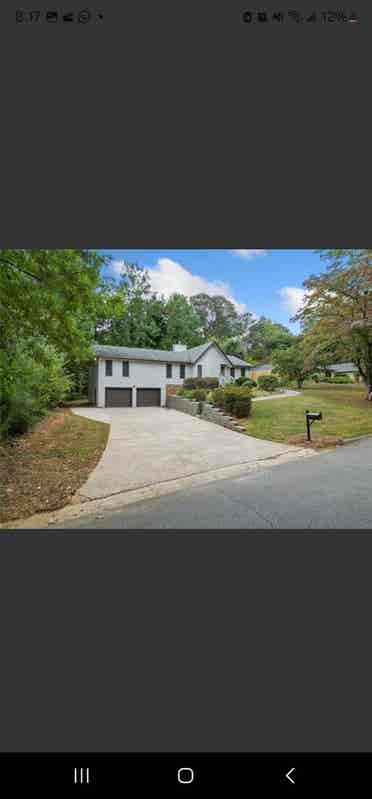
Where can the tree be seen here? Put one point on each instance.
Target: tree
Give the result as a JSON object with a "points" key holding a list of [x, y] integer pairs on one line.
{"points": [[337, 311], [50, 293], [291, 363], [265, 337], [182, 323], [219, 318]]}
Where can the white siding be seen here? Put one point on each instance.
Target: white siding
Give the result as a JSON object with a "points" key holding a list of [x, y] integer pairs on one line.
{"points": [[211, 362], [142, 374]]}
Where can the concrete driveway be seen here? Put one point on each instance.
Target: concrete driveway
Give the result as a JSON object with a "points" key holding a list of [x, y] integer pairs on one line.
{"points": [[148, 446]]}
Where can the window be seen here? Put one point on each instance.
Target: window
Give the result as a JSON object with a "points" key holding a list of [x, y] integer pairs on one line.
{"points": [[222, 368], [232, 371], [125, 368], [182, 371], [169, 370], [242, 371], [108, 369], [200, 370]]}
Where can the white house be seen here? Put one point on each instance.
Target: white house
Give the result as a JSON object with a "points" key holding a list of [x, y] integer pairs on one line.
{"points": [[132, 377]]}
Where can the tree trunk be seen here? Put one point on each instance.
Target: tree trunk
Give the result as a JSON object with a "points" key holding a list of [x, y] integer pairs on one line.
{"points": [[369, 373]]}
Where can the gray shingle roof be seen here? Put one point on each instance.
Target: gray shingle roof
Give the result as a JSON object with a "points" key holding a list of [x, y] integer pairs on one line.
{"points": [[238, 361], [346, 366], [166, 356], [142, 354]]}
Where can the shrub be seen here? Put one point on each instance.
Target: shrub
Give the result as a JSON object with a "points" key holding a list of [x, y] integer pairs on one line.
{"points": [[229, 397], [33, 379], [268, 382], [233, 399], [201, 382], [339, 379], [245, 381], [336, 379], [217, 397], [199, 394], [240, 381], [243, 403]]}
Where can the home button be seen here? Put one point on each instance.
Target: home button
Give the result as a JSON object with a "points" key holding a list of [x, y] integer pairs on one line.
{"points": [[185, 775]]}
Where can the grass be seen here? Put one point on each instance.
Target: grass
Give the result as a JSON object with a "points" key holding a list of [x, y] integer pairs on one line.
{"points": [[42, 470], [345, 414]]}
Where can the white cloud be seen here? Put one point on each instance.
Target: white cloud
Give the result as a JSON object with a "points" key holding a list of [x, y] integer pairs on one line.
{"points": [[170, 277], [248, 255], [291, 299]]}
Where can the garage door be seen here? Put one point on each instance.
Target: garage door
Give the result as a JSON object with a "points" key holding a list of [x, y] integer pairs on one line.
{"points": [[148, 396], [118, 398]]}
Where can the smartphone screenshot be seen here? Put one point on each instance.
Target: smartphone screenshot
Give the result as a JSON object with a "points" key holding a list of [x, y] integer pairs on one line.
{"points": [[185, 399]]}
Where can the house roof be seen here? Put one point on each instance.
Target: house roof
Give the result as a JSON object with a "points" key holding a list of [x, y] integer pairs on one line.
{"points": [[238, 361], [346, 366], [143, 354]]}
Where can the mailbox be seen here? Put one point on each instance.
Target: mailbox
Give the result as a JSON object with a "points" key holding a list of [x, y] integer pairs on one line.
{"points": [[312, 416]]}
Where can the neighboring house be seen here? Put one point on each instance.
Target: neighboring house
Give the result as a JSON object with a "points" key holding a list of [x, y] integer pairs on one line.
{"points": [[340, 369], [133, 377]]}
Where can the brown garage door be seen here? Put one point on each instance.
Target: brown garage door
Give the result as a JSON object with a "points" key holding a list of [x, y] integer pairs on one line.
{"points": [[148, 396], [118, 398]]}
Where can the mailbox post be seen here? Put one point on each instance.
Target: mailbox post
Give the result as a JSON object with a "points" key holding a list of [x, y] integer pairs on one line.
{"points": [[311, 416]]}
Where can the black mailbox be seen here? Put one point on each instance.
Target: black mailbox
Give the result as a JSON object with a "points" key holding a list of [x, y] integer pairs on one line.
{"points": [[312, 416]]}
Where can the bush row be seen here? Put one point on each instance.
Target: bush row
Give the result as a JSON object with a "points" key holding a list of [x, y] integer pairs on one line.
{"points": [[200, 382], [337, 379]]}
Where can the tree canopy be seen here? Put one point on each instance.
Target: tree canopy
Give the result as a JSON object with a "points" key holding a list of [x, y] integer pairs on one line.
{"points": [[336, 314], [265, 338], [50, 293]]}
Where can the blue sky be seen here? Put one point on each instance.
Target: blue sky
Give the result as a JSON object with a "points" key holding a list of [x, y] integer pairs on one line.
{"points": [[265, 282]]}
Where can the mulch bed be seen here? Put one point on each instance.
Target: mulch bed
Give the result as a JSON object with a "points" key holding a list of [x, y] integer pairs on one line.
{"points": [[42, 470], [321, 442]]}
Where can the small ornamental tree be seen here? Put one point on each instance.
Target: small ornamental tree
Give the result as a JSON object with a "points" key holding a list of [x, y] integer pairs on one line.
{"points": [[268, 382], [291, 364]]}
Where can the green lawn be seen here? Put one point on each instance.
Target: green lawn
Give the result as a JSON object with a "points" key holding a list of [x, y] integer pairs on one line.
{"points": [[345, 414]]}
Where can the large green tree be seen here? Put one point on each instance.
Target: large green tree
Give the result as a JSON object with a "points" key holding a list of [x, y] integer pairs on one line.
{"points": [[265, 338], [337, 311], [50, 293], [219, 318], [182, 323]]}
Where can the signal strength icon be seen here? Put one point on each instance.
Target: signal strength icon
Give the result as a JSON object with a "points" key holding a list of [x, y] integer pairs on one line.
{"points": [[82, 776]]}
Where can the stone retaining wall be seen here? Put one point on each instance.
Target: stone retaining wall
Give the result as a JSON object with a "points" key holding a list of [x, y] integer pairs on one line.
{"points": [[205, 411], [183, 404], [212, 414]]}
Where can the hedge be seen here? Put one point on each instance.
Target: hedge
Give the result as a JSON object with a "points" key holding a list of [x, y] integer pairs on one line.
{"points": [[337, 379], [200, 382]]}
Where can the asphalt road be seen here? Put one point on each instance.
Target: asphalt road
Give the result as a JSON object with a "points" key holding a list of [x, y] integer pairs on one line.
{"points": [[332, 491]]}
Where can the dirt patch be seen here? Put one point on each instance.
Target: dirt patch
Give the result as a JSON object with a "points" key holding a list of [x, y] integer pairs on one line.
{"points": [[318, 442], [43, 469]]}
